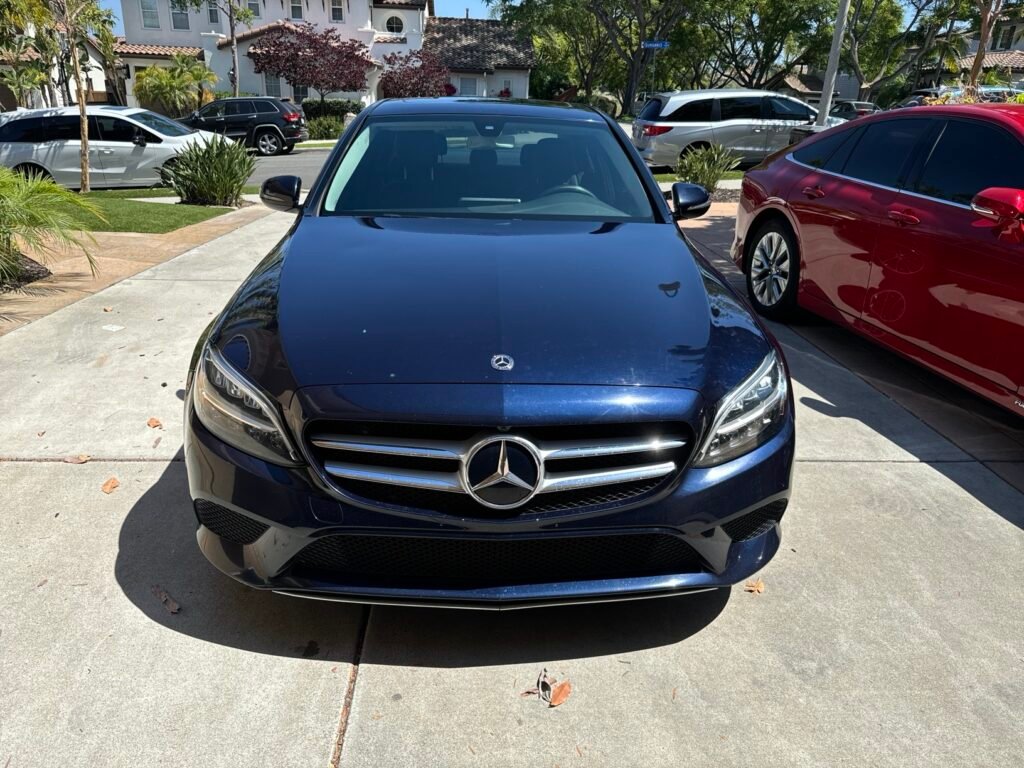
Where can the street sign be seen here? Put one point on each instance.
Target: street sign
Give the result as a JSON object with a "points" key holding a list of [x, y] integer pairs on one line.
{"points": [[656, 44]]}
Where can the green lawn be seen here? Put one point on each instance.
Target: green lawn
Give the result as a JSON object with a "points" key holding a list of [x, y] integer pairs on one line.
{"points": [[672, 176], [123, 214]]}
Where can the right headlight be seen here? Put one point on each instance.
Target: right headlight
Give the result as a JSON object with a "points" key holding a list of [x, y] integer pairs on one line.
{"points": [[747, 416], [238, 412]]}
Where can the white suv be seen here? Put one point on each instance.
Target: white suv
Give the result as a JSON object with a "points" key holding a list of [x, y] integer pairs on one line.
{"points": [[126, 145]]}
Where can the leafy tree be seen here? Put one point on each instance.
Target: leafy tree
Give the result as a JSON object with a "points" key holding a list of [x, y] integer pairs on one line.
{"points": [[988, 13], [416, 73], [319, 58], [195, 72], [879, 33], [237, 12], [630, 22], [26, 73], [78, 18], [758, 42]]}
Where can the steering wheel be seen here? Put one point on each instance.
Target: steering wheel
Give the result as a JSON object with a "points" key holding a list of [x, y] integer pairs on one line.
{"points": [[567, 188]]}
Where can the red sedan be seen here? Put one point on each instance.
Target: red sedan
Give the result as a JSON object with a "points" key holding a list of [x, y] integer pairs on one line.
{"points": [[907, 227]]}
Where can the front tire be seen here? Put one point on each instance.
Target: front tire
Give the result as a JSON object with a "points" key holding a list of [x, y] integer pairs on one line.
{"points": [[773, 269], [31, 169], [287, 148], [268, 143]]}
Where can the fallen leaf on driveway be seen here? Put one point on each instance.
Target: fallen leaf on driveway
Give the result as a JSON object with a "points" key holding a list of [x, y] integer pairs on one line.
{"points": [[155, 423], [109, 486], [560, 692], [755, 586], [41, 583], [108, 309], [79, 459], [168, 602], [40, 434], [549, 690]]}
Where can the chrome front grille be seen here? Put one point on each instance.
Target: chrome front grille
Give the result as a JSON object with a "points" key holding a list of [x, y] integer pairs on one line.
{"points": [[434, 468]]}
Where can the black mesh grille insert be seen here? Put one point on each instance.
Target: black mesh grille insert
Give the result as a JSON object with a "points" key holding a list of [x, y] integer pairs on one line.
{"points": [[228, 524], [756, 523], [467, 562]]}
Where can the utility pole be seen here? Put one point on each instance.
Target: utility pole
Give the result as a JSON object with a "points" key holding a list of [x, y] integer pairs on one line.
{"points": [[825, 104]]}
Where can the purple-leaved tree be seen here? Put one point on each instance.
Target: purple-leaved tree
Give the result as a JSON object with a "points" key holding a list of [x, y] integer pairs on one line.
{"points": [[417, 73]]}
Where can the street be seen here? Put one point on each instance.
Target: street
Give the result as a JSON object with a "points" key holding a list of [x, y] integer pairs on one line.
{"points": [[304, 163], [888, 633]]}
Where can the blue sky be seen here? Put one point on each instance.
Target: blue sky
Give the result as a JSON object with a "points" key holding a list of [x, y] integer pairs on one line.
{"points": [[477, 9]]}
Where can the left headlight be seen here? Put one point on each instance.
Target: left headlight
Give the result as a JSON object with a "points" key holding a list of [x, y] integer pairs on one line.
{"points": [[237, 412], [747, 416]]}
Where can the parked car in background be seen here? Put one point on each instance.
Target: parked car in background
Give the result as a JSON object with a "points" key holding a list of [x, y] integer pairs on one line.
{"points": [[268, 125], [126, 145], [851, 110], [752, 124], [907, 227], [484, 369]]}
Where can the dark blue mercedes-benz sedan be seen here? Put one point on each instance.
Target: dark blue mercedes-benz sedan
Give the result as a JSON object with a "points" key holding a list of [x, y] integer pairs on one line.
{"points": [[484, 369]]}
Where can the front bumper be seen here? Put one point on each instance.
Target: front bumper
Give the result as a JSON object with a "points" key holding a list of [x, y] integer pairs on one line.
{"points": [[293, 512]]}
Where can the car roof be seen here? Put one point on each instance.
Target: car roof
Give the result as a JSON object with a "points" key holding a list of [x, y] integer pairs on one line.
{"points": [[707, 93], [1009, 115], [90, 109], [464, 105]]}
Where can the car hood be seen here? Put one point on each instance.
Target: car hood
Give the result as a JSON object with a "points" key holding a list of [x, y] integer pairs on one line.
{"points": [[347, 301]]}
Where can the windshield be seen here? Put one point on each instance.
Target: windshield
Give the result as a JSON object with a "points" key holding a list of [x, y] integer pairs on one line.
{"points": [[487, 167], [160, 124]]}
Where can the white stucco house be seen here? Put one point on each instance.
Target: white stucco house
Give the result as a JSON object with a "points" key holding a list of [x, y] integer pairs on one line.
{"points": [[95, 82], [478, 52]]}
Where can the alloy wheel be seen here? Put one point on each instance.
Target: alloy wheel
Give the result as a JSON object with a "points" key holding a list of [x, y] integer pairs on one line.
{"points": [[268, 144], [769, 269]]}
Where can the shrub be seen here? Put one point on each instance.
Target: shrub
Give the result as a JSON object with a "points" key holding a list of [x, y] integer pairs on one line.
{"points": [[706, 166], [210, 173], [314, 108], [325, 128], [39, 214]]}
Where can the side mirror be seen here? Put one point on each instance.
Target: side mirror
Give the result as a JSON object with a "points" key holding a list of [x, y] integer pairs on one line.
{"points": [[281, 193], [139, 139], [999, 203], [195, 116], [689, 200]]}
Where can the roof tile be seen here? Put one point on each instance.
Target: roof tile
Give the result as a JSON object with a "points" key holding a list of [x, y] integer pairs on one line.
{"points": [[478, 44]]}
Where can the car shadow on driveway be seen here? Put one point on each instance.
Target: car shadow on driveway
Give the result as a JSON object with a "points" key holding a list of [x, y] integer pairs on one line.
{"points": [[157, 551]]}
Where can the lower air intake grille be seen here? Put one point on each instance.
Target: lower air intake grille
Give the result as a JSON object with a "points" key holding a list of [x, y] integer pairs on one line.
{"points": [[228, 524], [756, 523], [453, 562]]}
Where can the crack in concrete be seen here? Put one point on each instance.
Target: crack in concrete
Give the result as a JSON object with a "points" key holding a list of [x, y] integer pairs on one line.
{"points": [[350, 690]]}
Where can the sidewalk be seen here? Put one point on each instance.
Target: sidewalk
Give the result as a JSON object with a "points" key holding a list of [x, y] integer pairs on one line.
{"points": [[118, 255]]}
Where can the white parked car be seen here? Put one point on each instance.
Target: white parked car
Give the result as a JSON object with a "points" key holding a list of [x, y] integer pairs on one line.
{"points": [[126, 144]]}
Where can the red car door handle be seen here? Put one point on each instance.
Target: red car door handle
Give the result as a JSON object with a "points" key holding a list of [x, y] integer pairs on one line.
{"points": [[813, 192], [903, 217]]}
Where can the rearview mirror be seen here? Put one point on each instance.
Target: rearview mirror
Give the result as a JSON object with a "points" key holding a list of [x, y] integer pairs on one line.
{"points": [[281, 193], [689, 200], [999, 203]]}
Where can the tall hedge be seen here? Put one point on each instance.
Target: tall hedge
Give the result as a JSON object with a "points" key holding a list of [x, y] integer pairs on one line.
{"points": [[330, 107]]}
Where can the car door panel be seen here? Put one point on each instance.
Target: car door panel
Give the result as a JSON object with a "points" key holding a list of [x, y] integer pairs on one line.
{"points": [[946, 278], [782, 116], [741, 127], [125, 163]]}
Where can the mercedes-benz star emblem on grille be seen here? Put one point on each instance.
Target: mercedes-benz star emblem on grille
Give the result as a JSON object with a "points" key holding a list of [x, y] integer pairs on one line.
{"points": [[503, 472], [502, 362]]}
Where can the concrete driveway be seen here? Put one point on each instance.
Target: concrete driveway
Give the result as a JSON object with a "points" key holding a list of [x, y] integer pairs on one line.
{"points": [[889, 633]]}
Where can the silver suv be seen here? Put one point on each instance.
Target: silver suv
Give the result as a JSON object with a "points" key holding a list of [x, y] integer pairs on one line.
{"points": [[753, 124]]}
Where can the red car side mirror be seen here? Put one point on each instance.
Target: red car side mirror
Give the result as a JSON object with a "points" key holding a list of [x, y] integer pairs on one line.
{"points": [[999, 203]]}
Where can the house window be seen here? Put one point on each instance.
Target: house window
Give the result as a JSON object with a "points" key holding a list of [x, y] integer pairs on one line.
{"points": [[300, 93], [1004, 40], [212, 13], [467, 86], [296, 9], [254, 8], [506, 87], [272, 85], [394, 25], [179, 17], [337, 12], [150, 14]]}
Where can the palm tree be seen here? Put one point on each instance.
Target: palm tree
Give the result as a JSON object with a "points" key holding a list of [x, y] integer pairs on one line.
{"points": [[25, 73], [196, 71], [161, 88], [38, 214]]}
